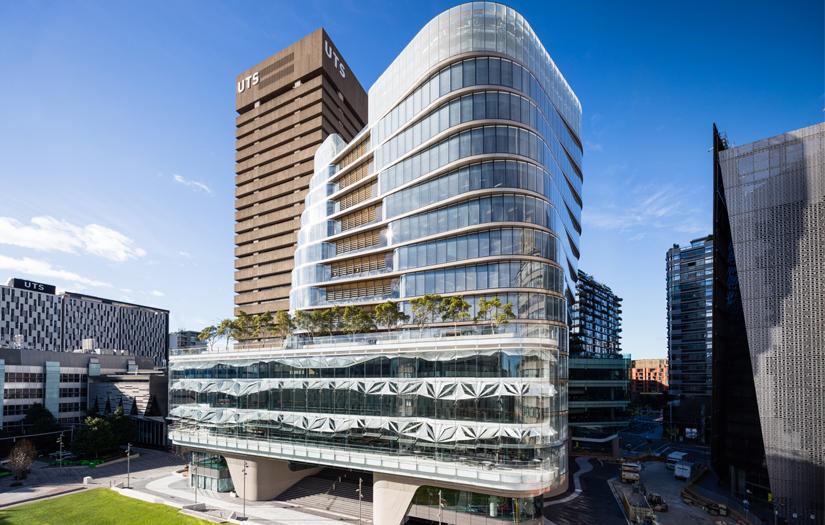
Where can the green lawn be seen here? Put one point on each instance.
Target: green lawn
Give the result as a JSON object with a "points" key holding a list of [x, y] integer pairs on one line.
{"points": [[98, 507]]}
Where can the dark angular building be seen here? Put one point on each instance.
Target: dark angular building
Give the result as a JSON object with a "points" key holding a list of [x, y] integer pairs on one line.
{"points": [[599, 383], [768, 438]]}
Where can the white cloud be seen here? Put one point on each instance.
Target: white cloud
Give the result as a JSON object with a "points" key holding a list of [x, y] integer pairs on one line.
{"points": [[644, 207], [50, 234], [153, 293], [195, 185], [185, 254], [39, 268]]}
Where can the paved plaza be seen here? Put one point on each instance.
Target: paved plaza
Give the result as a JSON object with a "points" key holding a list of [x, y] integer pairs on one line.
{"points": [[154, 478]]}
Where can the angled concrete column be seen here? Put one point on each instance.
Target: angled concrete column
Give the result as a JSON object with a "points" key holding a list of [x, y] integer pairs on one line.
{"points": [[265, 478], [391, 498]]}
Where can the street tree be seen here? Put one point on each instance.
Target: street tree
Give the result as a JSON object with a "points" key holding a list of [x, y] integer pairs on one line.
{"points": [[94, 437], [39, 420], [21, 457]]}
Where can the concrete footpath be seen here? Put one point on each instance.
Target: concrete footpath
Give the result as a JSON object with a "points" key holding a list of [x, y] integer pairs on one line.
{"points": [[154, 479], [173, 490]]}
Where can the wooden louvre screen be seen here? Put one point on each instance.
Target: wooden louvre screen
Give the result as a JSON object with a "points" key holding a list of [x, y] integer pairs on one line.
{"points": [[358, 218], [359, 265], [354, 197], [357, 242], [343, 292], [354, 176], [359, 150]]}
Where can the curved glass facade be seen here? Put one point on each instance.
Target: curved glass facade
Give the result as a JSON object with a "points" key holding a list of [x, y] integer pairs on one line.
{"points": [[467, 181]]}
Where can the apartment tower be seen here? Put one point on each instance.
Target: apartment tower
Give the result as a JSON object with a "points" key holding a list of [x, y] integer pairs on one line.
{"points": [[689, 341], [287, 105], [598, 393]]}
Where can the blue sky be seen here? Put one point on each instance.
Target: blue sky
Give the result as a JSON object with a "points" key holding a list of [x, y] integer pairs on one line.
{"points": [[117, 121]]}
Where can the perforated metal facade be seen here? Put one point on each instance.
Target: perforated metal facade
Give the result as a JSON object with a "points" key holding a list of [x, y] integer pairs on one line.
{"points": [[774, 192]]}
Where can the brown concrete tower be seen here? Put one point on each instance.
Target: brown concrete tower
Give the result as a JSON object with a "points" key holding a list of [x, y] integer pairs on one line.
{"points": [[287, 105]]}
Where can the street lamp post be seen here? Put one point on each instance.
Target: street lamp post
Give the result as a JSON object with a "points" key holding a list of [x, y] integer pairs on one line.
{"points": [[195, 478], [360, 499], [244, 490], [60, 442], [128, 465]]}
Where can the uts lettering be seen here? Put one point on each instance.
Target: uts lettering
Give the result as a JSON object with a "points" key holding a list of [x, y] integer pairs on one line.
{"points": [[34, 286], [248, 82], [339, 64]]}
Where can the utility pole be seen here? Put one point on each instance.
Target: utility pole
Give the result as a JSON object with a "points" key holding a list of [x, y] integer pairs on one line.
{"points": [[360, 497], [440, 506], [60, 442], [128, 465]]}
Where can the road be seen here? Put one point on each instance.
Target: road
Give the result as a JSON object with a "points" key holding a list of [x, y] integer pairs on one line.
{"points": [[594, 505]]}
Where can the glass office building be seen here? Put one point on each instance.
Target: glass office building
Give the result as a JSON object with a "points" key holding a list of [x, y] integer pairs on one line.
{"points": [[466, 182]]}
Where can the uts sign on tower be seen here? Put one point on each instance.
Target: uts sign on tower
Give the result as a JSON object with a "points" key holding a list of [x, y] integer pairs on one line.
{"points": [[248, 82], [339, 64]]}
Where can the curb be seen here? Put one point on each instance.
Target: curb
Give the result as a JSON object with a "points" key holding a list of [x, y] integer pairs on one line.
{"points": [[44, 496]]}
